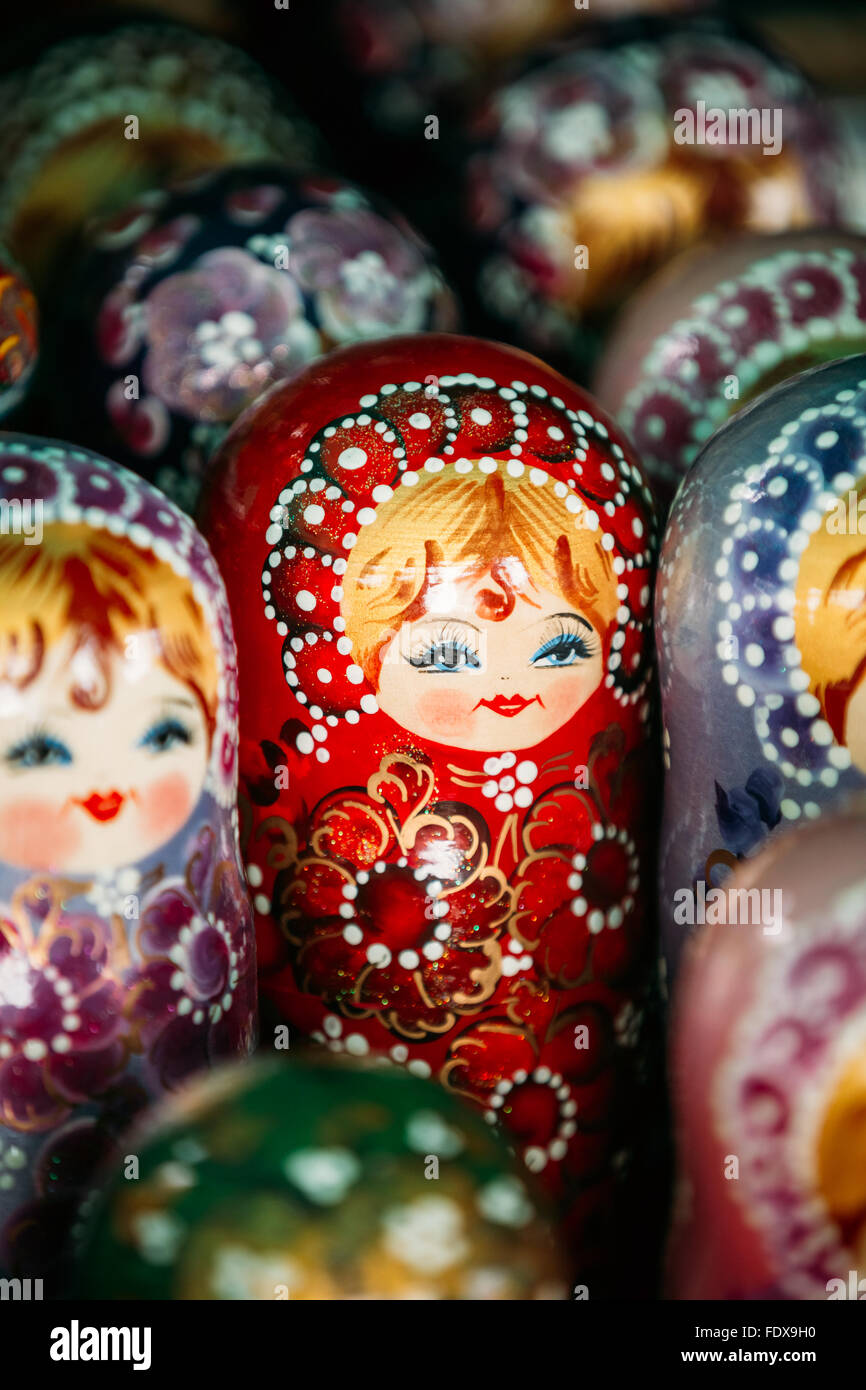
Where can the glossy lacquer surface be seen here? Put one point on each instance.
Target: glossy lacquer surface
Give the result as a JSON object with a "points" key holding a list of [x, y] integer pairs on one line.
{"points": [[439, 559], [721, 325], [769, 1080], [322, 1180], [127, 957], [761, 625]]}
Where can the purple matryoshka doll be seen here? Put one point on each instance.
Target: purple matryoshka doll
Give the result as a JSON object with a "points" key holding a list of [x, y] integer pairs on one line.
{"points": [[606, 157], [721, 325], [126, 951], [188, 305], [761, 621], [769, 1067]]}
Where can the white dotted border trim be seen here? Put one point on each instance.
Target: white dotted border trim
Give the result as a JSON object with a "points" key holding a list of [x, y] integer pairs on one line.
{"points": [[585, 515], [792, 1156], [211, 596], [825, 494], [713, 318]]}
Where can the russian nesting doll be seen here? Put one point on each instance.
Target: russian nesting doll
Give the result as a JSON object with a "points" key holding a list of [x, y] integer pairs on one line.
{"points": [[321, 1179], [188, 305], [769, 1073], [761, 625], [605, 158], [720, 326], [102, 117], [425, 56], [127, 957], [439, 556]]}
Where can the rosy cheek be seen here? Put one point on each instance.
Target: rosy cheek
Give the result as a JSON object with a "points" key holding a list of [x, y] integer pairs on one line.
{"points": [[567, 694], [446, 711], [165, 804], [37, 835]]}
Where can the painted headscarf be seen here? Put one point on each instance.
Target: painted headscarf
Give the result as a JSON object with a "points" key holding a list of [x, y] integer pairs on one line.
{"points": [[355, 463], [760, 626], [782, 312], [772, 514]]}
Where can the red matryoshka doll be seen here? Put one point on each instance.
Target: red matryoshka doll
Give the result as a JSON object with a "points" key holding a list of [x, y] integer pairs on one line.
{"points": [[127, 956], [769, 1064], [439, 555]]}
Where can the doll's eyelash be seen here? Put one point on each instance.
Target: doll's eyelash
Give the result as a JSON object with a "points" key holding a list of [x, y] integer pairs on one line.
{"points": [[453, 647], [567, 624], [567, 634], [165, 733], [38, 748]]}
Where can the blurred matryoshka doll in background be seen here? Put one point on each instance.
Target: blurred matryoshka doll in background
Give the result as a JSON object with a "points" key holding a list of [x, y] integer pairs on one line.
{"points": [[99, 118], [719, 326], [603, 158], [439, 556], [126, 952], [19, 335], [769, 1073], [417, 56], [321, 1179]]}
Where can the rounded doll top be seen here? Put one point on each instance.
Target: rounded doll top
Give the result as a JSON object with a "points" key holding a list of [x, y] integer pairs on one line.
{"points": [[441, 530]]}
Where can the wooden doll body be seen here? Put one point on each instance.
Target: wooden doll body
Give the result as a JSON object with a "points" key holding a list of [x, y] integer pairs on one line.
{"points": [[439, 557], [760, 608], [127, 958], [769, 1074]]}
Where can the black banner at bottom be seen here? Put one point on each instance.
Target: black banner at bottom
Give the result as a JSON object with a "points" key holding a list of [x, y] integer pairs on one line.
{"points": [[68, 1339]]}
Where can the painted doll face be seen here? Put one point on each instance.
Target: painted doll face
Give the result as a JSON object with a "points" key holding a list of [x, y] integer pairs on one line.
{"points": [[89, 789], [830, 622], [488, 668]]}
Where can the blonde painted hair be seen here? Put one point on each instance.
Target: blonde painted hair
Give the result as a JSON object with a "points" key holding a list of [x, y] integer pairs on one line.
{"points": [[830, 617], [461, 525], [103, 590], [841, 1148]]}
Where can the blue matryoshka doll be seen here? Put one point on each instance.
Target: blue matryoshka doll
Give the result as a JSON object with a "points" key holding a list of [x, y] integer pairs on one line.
{"points": [[761, 620]]}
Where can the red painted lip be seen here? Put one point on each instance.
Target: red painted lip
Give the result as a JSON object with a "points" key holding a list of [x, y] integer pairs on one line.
{"points": [[103, 808], [508, 705]]}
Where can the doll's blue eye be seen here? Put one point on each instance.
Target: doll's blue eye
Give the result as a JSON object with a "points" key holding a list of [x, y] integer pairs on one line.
{"points": [[446, 656], [565, 649], [164, 735], [38, 750]]}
